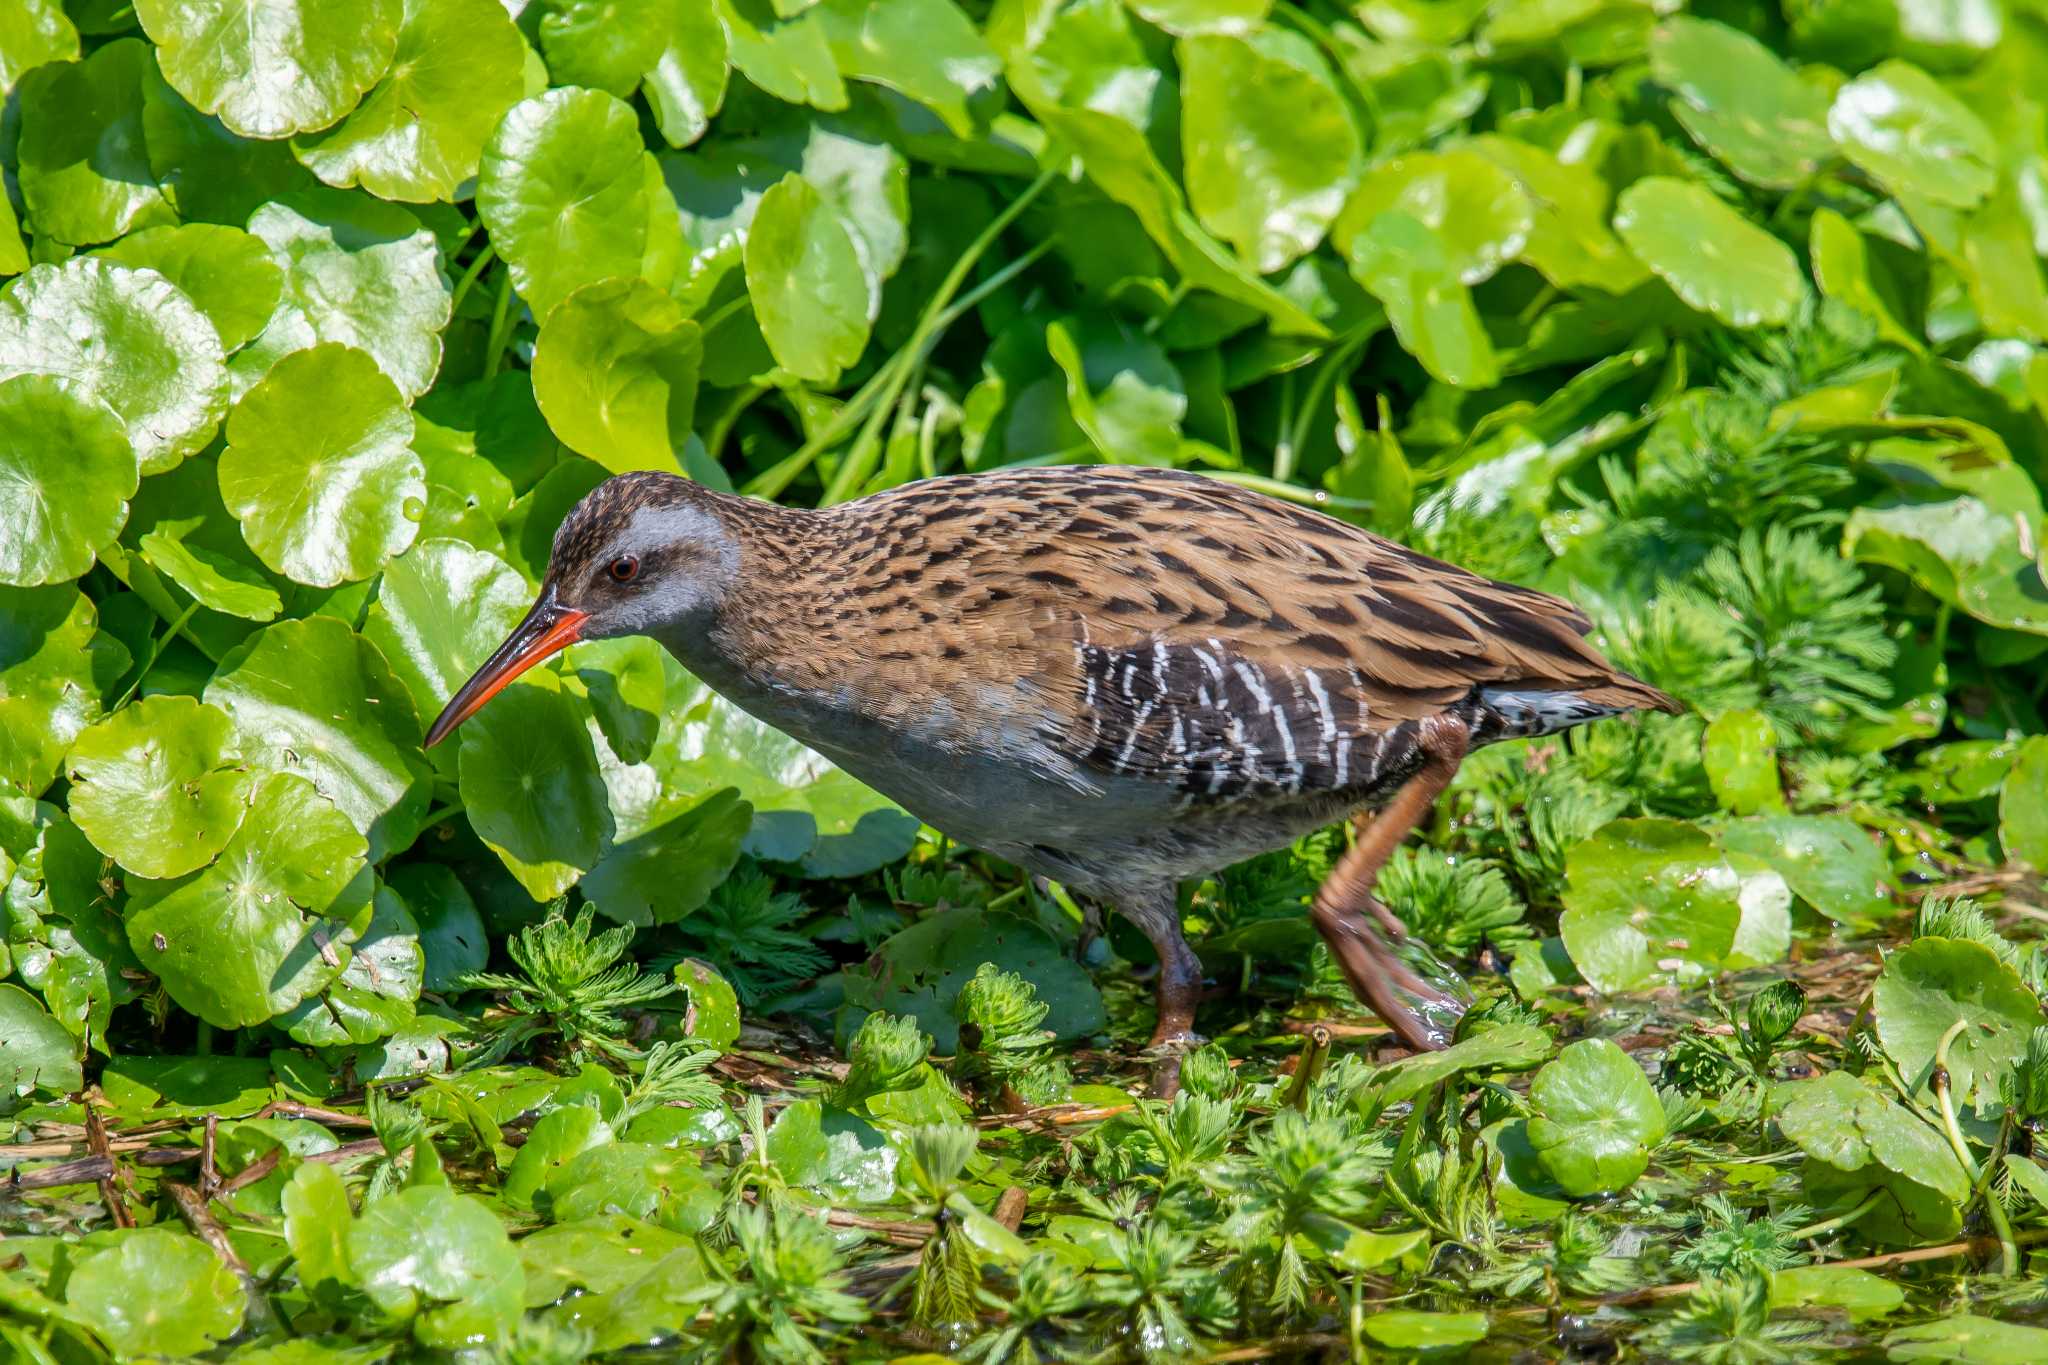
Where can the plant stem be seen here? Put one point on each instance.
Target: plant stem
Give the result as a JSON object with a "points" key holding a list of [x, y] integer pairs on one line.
{"points": [[156, 651], [884, 385], [476, 268], [501, 329], [859, 463], [2008, 1250], [1291, 492], [1827, 1225]]}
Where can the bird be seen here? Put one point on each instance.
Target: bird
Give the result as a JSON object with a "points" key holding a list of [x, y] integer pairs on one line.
{"points": [[1115, 677]]}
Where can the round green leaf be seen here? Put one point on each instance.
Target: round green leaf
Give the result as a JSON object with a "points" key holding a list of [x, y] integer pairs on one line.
{"points": [[1828, 860], [158, 786], [319, 469], [66, 474], [374, 995], [127, 337], [246, 939], [1898, 123], [314, 698], [686, 86], [426, 1245], [1599, 1118], [36, 1052], [213, 580], [229, 274], [441, 608], [1711, 256], [1979, 547], [1270, 147], [420, 134], [1414, 272], [1740, 754], [662, 875], [1740, 102], [452, 935], [1857, 1292], [615, 372], [812, 294], [558, 1135], [1407, 1329], [604, 44], [1967, 1339], [531, 785], [1657, 899], [317, 1217], [158, 1293], [84, 164], [358, 272], [1569, 239], [274, 69], [55, 666], [571, 196], [1476, 209], [1932, 984]]}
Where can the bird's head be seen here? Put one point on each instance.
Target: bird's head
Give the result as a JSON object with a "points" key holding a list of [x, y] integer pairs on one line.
{"points": [[641, 554]]}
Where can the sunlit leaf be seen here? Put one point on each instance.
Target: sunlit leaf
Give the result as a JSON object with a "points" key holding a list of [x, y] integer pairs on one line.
{"points": [[319, 469], [288, 66], [126, 337], [420, 132]]}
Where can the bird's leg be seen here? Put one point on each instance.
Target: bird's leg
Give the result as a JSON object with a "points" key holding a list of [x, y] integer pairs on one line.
{"points": [[1421, 1011], [1361, 826], [1156, 910]]}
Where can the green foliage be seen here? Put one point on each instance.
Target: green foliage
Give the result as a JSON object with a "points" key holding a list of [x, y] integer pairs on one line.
{"points": [[571, 984], [1725, 322]]}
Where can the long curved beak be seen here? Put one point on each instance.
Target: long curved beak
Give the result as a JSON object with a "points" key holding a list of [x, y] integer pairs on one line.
{"points": [[547, 629]]}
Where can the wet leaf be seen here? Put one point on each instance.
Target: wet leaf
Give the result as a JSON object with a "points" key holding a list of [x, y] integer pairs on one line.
{"points": [[126, 337], [1898, 123], [66, 474], [571, 197], [1741, 103], [36, 1052], [814, 296], [2023, 806], [246, 938], [228, 273], [319, 468], [1711, 256], [615, 373], [420, 132], [1475, 209], [356, 272], [54, 667], [84, 169], [303, 66], [157, 1292], [531, 785], [1933, 984], [1598, 1118], [1271, 150], [661, 875], [160, 786], [441, 608], [441, 1259]]}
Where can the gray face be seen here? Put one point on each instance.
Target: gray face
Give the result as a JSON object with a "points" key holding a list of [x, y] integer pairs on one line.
{"points": [[667, 566]]}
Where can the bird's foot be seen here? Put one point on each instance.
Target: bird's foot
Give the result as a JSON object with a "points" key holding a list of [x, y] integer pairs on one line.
{"points": [[1167, 1050]]}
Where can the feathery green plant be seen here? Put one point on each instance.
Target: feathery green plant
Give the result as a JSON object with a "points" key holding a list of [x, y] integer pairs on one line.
{"points": [[571, 984]]}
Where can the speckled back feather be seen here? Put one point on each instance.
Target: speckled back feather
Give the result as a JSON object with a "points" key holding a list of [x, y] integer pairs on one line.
{"points": [[1150, 624]]}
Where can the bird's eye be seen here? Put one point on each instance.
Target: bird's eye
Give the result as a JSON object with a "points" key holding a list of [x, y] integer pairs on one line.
{"points": [[624, 569]]}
